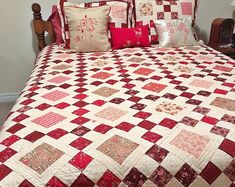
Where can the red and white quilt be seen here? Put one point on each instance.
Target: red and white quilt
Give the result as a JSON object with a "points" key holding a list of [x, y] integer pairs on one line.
{"points": [[131, 117]]}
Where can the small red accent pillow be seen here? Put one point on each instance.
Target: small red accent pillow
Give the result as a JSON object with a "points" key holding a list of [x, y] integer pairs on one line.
{"points": [[130, 37]]}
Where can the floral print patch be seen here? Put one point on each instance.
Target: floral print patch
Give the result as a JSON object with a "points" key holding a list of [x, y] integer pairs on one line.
{"points": [[169, 108], [105, 91], [111, 113], [146, 9], [184, 69], [192, 143], [118, 148], [227, 104], [41, 157]]}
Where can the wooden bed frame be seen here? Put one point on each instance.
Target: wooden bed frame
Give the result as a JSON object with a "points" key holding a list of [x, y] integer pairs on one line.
{"points": [[41, 26]]}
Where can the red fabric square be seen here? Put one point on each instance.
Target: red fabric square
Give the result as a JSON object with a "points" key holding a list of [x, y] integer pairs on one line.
{"points": [[57, 133], [143, 115], [129, 37], [81, 160], [134, 99], [80, 112], [6, 154], [148, 125], [10, 140], [157, 153], [135, 178], [34, 136], [169, 123], [83, 180], [220, 91], [151, 136], [102, 128], [4, 170], [109, 180], [43, 106], [210, 120], [80, 143], [186, 175], [125, 126], [187, 94], [98, 102], [62, 105], [26, 183], [54, 181], [20, 118], [210, 173], [80, 120], [228, 146], [167, 8], [15, 128]]}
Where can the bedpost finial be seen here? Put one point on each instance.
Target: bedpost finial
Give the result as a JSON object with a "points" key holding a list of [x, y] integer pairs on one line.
{"points": [[36, 8], [37, 11]]}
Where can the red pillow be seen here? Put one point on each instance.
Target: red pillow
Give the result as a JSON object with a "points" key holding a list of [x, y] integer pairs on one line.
{"points": [[130, 37], [56, 24]]}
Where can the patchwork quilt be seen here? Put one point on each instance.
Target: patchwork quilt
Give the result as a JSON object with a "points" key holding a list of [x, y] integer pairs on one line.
{"points": [[132, 117]]}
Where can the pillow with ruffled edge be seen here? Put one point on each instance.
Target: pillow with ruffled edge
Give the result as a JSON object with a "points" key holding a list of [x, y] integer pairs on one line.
{"points": [[175, 33]]}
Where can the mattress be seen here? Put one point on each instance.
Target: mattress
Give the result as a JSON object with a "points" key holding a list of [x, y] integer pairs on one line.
{"points": [[131, 117]]}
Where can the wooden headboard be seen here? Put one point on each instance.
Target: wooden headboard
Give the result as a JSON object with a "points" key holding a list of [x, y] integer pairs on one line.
{"points": [[41, 26]]}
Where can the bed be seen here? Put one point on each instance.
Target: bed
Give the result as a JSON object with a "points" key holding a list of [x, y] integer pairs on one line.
{"points": [[133, 117]]}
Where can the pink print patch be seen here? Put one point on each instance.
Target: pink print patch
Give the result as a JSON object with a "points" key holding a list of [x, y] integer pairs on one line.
{"points": [[59, 79], [154, 87], [144, 71], [118, 11], [191, 143], [55, 95], [102, 75], [187, 8], [201, 83], [223, 68], [49, 119]]}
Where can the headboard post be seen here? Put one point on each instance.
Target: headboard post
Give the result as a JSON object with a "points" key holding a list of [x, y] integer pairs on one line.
{"points": [[41, 26]]}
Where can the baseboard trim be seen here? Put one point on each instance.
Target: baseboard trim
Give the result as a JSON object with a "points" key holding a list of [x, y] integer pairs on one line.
{"points": [[8, 97]]}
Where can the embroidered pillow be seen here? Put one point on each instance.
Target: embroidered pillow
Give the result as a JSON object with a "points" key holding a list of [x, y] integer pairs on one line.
{"points": [[175, 33], [129, 37], [120, 14], [146, 11], [88, 28]]}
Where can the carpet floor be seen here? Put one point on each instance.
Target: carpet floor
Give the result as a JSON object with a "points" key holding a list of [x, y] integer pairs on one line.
{"points": [[5, 108]]}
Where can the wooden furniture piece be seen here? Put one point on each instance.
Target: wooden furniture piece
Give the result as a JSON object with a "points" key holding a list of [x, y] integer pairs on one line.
{"points": [[41, 26], [221, 35]]}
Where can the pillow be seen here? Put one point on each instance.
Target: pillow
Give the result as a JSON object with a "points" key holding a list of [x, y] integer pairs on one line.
{"points": [[129, 37], [120, 14], [146, 11], [56, 24], [175, 33], [88, 28]]}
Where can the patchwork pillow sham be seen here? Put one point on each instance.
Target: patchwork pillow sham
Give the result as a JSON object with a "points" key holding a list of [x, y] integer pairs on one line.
{"points": [[88, 28], [146, 11], [129, 37], [120, 15], [175, 33]]}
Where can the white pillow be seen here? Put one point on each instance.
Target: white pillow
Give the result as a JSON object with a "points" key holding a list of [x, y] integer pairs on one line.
{"points": [[175, 33]]}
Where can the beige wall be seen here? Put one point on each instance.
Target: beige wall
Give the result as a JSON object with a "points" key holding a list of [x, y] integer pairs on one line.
{"points": [[17, 43], [18, 46]]}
